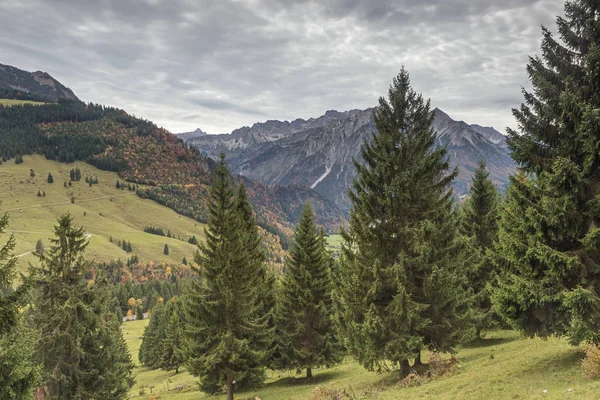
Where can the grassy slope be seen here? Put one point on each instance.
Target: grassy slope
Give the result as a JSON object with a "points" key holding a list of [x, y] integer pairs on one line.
{"points": [[110, 212], [14, 102], [505, 366]]}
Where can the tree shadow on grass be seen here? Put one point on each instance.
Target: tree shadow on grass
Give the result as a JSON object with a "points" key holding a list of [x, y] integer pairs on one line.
{"points": [[320, 377], [556, 363], [487, 342]]}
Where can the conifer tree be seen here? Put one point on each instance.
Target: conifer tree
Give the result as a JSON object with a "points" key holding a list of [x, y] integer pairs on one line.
{"points": [[151, 349], [18, 373], [50, 178], [39, 247], [399, 288], [479, 223], [266, 278], [305, 328], [549, 232], [80, 347], [166, 249], [173, 355], [226, 335]]}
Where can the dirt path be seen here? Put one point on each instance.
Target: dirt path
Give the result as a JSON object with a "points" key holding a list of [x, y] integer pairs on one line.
{"points": [[67, 202], [24, 254]]}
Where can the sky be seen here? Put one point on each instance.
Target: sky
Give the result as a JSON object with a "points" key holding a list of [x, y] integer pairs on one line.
{"points": [[219, 65]]}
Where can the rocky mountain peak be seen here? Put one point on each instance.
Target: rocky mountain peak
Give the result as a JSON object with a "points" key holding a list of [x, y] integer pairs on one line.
{"points": [[318, 153]]}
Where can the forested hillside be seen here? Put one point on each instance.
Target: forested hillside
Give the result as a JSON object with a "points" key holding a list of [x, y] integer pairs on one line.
{"points": [[142, 153]]}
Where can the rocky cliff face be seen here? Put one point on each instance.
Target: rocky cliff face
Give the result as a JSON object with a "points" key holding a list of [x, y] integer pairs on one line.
{"points": [[318, 152], [38, 83]]}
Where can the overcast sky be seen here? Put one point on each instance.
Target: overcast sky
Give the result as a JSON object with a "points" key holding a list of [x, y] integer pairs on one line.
{"points": [[222, 64]]}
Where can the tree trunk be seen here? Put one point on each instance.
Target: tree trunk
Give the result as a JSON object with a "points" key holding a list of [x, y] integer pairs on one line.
{"points": [[308, 373], [404, 368], [229, 387], [418, 361]]}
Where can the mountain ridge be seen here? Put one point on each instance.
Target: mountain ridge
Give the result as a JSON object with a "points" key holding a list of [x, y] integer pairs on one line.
{"points": [[318, 152], [38, 83]]}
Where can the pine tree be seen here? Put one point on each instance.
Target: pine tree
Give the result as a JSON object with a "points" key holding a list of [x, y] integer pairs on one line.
{"points": [[266, 278], [226, 337], [480, 224], [50, 178], [80, 347], [18, 374], [39, 247], [549, 235], [305, 328], [399, 288], [173, 355], [166, 249]]}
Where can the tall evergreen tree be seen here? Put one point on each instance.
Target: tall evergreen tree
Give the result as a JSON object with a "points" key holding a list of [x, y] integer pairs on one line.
{"points": [[81, 348], [549, 234], [480, 225], [151, 349], [305, 327], [226, 334], [18, 373], [252, 245], [173, 354], [400, 288]]}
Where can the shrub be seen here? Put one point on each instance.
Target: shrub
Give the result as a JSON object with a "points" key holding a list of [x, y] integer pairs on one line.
{"points": [[591, 362]]}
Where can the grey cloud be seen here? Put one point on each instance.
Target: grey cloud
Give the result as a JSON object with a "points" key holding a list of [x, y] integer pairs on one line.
{"points": [[222, 64]]}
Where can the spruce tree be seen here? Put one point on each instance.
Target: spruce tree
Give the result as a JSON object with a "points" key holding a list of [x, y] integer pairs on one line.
{"points": [[549, 235], [305, 334], [173, 354], [399, 287], [151, 349], [39, 247], [266, 278], [80, 347], [166, 249], [226, 335], [50, 178], [479, 223], [18, 373]]}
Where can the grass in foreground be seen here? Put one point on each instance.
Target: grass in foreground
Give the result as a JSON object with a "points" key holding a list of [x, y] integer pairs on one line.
{"points": [[503, 366], [103, 210]]}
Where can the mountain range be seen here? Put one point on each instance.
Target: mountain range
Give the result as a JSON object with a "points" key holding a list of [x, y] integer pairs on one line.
{"points": [[318, 153]]}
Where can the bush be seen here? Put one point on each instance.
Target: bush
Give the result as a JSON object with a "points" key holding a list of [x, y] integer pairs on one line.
{"points": [[591, 362]]}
